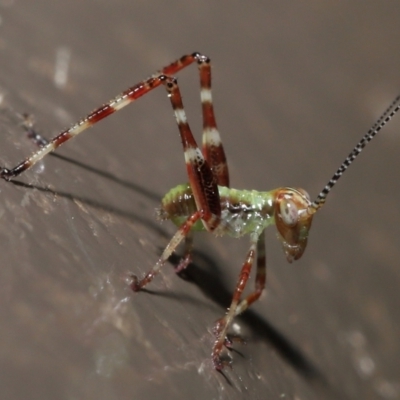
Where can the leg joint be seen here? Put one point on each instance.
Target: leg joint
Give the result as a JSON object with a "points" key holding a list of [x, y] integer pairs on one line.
{"points": [[201, 58]]}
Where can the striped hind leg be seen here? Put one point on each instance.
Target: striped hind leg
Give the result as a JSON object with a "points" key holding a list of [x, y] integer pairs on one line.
{"points": [[104, 111], [202, 182], [201, 178], [213, 149], [122, 100]]}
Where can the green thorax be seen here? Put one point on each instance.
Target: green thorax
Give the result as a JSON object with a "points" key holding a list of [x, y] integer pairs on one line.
{"points": [[242, 211]]}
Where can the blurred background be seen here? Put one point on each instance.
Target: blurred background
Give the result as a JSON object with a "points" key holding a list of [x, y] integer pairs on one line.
{"points": [[295, 86]]}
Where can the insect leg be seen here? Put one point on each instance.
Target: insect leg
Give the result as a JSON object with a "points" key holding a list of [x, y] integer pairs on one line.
{"points": [[104, 111], [181, 234], [223, 324], [213, 149], [201, 178], [187, 256], [261, 276], [122, 100]]}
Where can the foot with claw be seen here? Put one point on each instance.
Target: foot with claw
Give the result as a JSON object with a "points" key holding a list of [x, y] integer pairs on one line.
{"points": [[5, 174], [223, 341]]}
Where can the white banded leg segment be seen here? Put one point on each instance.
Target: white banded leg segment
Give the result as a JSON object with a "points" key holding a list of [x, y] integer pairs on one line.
{"points": [[213, 150], [211, 137], [194, 156], [205, 95], [180, 116]]}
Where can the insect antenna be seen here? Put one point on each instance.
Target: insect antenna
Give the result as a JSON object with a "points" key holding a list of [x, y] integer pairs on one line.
{"points": [[376, 127]]}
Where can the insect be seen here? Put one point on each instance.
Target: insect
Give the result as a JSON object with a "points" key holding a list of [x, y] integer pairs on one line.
{"points": [[207, 202]]}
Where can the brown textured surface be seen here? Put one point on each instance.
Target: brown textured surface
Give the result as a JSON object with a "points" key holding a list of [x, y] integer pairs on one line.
{"points": [[295, 86]]}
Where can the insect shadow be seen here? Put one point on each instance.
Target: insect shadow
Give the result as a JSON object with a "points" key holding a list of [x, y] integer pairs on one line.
{"points": [[208, 280]]}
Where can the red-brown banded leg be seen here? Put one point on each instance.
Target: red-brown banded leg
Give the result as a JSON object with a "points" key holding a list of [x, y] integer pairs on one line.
{"points": [[182, 232], [182, 63], [201, 179], [224, 323], [261, 276], [122, 100], [104, 111], [213, 149]]}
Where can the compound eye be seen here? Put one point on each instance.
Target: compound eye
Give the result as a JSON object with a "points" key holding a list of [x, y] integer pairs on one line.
{"points": [[289, 212]]}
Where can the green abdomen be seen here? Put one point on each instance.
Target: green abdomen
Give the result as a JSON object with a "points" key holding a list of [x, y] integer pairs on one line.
{"points": [[178, 205]]}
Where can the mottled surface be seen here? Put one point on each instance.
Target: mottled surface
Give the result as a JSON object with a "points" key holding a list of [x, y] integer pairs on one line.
{"points": [[295, 87]]}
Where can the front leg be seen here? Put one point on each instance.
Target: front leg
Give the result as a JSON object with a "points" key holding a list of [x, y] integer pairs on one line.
{"points": [[261, 276], [222, 326]]}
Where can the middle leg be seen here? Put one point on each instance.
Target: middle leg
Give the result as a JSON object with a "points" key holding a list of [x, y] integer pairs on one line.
{"points": [[187, 255]]}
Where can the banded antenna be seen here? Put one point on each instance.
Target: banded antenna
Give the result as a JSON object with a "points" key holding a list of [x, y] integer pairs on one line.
{"points": [[376, 127]]}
